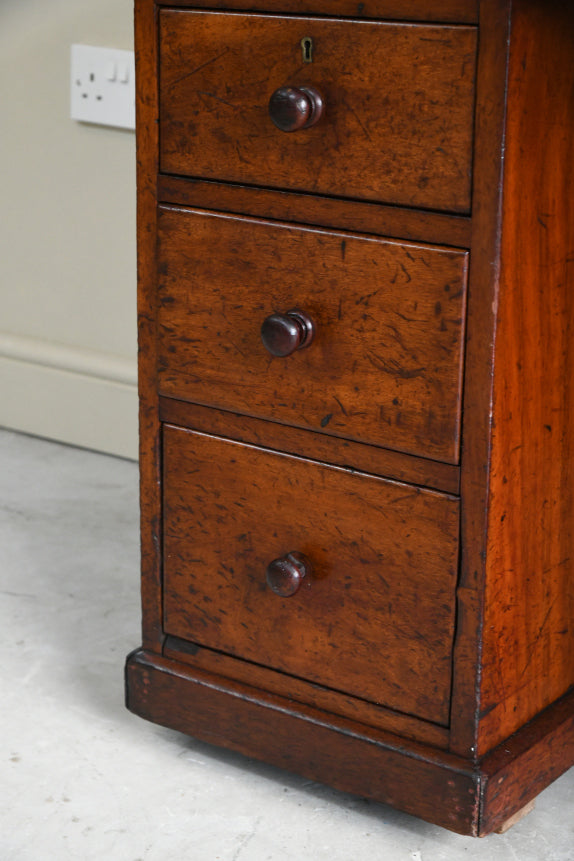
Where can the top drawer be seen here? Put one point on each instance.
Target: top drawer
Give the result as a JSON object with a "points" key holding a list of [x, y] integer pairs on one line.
{"points": [[398, 105]]}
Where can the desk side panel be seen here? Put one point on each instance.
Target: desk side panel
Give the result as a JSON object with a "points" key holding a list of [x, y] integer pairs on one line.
{"points": [[528, 633]]}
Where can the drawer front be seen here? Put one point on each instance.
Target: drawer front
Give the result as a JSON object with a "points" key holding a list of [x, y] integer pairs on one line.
{"points": [[385, 363], [374, 618], [398, 105]]}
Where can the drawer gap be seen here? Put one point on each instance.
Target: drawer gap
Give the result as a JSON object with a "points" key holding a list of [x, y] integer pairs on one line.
{"points": [[377, 219], [354, 457], [461, 14], [462, 216]]}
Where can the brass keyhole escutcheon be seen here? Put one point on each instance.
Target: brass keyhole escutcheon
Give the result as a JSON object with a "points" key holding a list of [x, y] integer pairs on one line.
{"points": [[307, 49]]}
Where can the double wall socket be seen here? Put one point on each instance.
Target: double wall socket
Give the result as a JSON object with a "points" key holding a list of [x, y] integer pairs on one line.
{"points": [[103, 86]]}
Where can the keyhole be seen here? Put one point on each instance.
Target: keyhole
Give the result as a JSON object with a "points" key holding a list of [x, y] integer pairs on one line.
{"points": [[307, 46]]}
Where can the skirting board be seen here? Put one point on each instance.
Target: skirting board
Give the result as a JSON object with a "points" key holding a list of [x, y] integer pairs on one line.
{"points": [[74, 396]]}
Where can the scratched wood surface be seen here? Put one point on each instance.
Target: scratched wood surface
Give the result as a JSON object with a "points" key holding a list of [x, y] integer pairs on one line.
{"points": [[386, 361], [523, 765], [318, 682], [478, 367], [375, 618], [338, 452], [416, 778], [396, 222], [528, 650], [456, 11], [398, 106], [149, 426], [305, 693]]}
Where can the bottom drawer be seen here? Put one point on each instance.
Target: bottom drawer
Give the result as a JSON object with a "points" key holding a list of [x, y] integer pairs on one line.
{"points": [[373, 618]]}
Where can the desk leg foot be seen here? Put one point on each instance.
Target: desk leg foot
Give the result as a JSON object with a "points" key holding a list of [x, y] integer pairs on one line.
{"points": [[520, 814]]}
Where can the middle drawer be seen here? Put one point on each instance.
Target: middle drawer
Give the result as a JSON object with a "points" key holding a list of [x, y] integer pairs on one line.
{"points": [[385, 362]]}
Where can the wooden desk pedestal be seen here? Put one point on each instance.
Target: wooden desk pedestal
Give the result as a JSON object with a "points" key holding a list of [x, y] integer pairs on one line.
{"points": [[356, 309]]}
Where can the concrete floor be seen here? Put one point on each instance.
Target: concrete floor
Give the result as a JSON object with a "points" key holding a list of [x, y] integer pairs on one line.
{"points": [[83, 779]]}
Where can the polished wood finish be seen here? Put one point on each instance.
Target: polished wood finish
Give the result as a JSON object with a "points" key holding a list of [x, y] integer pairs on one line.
{"points": [[390, 221], [524, 764], [426, 659], [285, 575], [339, 452], [294, 108], [353, 624], [307, 693], [386, 359], [455, 11], [284, 334], [430, 783], [529, 588], [477, 396], [466, 797], [398, 117], [150, 429]]}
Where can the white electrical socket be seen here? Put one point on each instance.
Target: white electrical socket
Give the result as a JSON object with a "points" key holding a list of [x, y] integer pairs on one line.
{"points": [[103, 86]]}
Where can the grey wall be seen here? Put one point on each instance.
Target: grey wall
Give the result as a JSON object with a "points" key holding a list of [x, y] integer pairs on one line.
{"points": [[67, 235]]}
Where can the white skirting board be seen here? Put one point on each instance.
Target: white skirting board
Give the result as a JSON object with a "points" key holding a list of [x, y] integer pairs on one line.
{"points": [[75, 396]]}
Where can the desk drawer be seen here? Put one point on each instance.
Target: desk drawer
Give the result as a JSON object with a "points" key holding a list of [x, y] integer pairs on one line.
{"points": [[398, 105], [375, 616], [385, 363]]}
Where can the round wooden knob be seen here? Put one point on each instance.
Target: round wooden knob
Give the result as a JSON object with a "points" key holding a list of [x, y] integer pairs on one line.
{"points": [[283, 334], [284, 575], [293, 108]]}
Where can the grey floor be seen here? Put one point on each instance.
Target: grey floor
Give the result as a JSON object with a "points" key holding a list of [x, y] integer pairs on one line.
{"points": [[83, 779]]}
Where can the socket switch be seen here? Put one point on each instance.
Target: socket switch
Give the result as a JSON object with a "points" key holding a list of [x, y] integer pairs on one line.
{"points": [[103, 86]]}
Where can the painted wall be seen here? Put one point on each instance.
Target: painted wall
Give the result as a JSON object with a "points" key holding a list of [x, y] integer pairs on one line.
{"points": [[67, 235]]}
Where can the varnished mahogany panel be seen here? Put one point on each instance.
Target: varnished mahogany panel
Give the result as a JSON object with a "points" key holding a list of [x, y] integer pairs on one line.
{"points": [[350, 756], [457, 11], [149, 427], [374, 619], [524, 764], [306, 693], [339, 452], [385, 362], [389, 221], [398, 115], [471, 765], [482, 308], [529, 597], [472, 799]]}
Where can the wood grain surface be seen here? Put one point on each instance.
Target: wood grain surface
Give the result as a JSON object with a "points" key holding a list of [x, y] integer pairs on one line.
{"points": [[528, 650], [149, 426], [471, 799], [375, 619], [438, 681], [430, 783], [457, 11], [396, 222], [338, 452], [523, 765], [398, 117], [386, 360], [306, 693], [482, 308]]}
